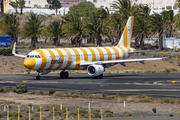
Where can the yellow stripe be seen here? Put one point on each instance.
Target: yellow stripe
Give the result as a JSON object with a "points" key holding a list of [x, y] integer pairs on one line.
{"points": [[60, 55], [93, 54], [118, 45], [128, 48], [85, 54], [124, 55], [77, 59], [43, 64], [101, 53], [109, 53], [69, 60], [132, 22], [125, 36], [52, 58], [116, 53]]}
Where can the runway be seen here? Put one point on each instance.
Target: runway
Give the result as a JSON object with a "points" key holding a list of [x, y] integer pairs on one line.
{"points": [[157, 85]]}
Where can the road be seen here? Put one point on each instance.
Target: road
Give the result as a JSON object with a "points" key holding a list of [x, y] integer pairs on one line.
{"points": [[158, 85]]}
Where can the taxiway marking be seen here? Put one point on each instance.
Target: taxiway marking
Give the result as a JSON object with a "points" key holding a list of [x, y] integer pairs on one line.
{"points": [[144, 90], [8, 82]]}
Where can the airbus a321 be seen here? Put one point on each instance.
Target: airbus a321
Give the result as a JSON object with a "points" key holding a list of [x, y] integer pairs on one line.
{"points": [[94, 59]]}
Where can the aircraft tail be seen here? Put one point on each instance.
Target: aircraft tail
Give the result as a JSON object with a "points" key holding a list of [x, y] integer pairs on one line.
{"points": [[126, 37]]}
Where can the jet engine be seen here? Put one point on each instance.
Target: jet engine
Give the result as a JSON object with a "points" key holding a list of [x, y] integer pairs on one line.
{"points": [[95, 70]]}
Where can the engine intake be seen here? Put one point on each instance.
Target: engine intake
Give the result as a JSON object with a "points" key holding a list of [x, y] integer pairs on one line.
{"points": [[95, 70]]}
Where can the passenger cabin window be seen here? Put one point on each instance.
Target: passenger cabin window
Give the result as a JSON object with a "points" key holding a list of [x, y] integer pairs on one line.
{"points": [[33, 56]]}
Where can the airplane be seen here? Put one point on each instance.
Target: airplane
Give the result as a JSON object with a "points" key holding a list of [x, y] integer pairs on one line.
{"points": [[94, 59]]}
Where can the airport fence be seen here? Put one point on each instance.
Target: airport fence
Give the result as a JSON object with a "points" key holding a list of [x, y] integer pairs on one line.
{"points": [[42, 113]]}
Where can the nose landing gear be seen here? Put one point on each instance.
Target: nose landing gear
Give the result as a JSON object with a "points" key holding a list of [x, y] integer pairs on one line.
{"points": [[64, 74]]}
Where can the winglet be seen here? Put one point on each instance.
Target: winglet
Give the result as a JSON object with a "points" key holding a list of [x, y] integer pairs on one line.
{"points": [[173, 52], [14, 51]]}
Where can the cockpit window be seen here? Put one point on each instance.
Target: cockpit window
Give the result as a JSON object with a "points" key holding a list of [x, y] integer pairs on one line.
{"points": [[33, 56]]}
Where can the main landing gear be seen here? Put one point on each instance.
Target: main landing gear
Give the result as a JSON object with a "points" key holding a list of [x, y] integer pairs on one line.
{"points": [[38, 77], [64, 74], [99, 77]]}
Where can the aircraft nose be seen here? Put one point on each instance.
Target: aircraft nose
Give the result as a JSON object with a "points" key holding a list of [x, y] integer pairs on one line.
{"points": [[29, 63]]}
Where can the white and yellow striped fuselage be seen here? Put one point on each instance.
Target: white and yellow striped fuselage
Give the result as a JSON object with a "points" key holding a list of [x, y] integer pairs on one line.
{"points": [[70, 58], [94, 59]]}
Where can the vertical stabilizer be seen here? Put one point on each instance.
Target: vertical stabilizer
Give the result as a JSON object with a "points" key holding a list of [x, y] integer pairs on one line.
{"points": [[126, 37]]}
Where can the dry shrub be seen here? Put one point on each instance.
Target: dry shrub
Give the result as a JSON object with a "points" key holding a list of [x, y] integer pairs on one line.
{"points": [[108, 113], [128, 114], [97, 97], [36, 115], [73, 116], [177, 101], [60, 94], [121, 98], [171, 115], [157, 101], [25, 118], [63, 115], [44, 118], [132, 99], [137, 99]]}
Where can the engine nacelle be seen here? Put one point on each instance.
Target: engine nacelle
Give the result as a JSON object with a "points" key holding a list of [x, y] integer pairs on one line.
{"points": [[95, 70], [44, 72]]}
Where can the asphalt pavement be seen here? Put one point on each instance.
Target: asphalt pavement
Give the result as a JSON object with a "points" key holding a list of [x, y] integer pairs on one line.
{"points": [[158, 85], [142, 118]]}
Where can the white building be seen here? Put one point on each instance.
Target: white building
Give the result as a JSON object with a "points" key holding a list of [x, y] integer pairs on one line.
{"points": [[36, 3], [151, 3]]}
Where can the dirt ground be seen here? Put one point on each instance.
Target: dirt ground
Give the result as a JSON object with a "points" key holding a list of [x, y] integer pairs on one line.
{"points": [[24, 100], [11, 64]]}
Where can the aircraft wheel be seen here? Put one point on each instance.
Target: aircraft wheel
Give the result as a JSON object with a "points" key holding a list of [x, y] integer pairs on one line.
{"points": [[62, 75], [96, 77], [101, 76], [66, 74], [38, 77]]}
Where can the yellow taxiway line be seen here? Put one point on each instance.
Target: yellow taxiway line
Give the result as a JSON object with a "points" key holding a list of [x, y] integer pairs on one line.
{"points": [[144, 90]]}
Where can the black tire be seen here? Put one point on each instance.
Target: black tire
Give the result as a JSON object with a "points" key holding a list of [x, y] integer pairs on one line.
{"points": [[61, 75], [38, 77], [96, 77], [66, 74], [101, 76]]}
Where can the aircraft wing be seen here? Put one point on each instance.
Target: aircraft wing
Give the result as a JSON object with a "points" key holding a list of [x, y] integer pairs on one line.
{"points": [[125, 61], [14, 52], [143, 51]]}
